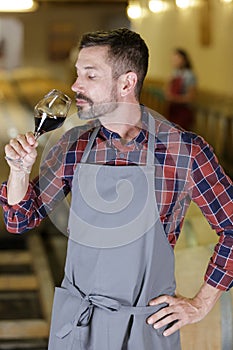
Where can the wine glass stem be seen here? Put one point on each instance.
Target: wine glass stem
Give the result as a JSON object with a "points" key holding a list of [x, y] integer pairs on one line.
{"points": [[36, 134], [37, 131]]}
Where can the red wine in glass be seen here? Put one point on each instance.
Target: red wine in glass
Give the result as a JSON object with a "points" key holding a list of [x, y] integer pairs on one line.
{"points": [[50, 112], [45, 122]]}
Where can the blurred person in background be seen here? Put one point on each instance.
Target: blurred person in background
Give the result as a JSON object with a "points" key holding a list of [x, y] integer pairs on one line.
{"points": [[180, 91]]}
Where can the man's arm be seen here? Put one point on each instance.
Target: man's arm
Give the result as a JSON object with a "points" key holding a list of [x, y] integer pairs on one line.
{"points": [[22, 147], [212, 191], [25, 206], [17, 186], [183, 311]]}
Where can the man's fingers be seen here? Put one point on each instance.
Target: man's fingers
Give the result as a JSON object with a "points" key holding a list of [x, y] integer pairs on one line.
{"points": [[31, 139], [21, 151], [178, 312], [162, 299], [167, 320], [173, 328], [14, 150], [27, 142], [21, 146]]}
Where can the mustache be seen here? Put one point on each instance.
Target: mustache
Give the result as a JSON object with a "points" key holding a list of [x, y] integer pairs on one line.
{"points": [[83, 97]]}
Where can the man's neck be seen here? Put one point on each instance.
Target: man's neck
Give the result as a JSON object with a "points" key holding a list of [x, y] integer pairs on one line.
{"points": [[125, 121]]}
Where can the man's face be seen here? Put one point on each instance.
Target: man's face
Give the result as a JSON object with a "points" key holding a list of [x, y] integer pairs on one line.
{"points": [[96, 91]]}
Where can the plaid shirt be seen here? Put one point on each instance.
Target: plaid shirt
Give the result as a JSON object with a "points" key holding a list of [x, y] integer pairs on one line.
{"points": [[185, 169]]}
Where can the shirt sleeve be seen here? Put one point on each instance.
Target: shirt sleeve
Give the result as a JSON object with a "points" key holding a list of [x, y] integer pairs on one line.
{"points": [[43, 194], [19, 218], [212, 191]]}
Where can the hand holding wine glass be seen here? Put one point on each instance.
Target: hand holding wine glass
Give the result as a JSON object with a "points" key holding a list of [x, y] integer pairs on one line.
{"points": [[49, 114]]}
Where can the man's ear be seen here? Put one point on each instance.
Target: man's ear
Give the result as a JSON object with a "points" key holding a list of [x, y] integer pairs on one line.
{"points": [[127, 83]]}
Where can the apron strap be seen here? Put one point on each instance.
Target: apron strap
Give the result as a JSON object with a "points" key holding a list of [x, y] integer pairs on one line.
{"points": [[89, 145], [150, 147], [151, 141]]}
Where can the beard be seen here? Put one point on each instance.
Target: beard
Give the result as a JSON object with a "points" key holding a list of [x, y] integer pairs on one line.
{"points": [[98, 109]]}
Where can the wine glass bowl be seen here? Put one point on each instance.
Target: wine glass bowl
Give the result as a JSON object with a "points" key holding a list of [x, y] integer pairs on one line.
{"points": [[50, 112]]}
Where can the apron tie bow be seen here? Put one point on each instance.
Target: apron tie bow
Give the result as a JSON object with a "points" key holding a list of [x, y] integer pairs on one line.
{"points": [[86, 309]]}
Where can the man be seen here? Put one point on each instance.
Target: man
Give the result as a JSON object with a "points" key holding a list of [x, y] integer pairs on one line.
{"points": [[119, 289]]}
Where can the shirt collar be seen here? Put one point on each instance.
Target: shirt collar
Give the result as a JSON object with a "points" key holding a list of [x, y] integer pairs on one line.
{"points": [[140, 138]]}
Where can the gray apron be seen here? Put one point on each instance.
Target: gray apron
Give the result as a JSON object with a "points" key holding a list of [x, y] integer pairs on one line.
{"points": [[118, 259]]}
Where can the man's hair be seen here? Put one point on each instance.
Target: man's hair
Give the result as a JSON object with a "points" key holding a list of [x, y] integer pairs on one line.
{"points": [[127, 52]]}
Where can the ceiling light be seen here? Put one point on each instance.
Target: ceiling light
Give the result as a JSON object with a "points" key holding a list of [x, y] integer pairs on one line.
{"points": [[157, 6], [17, 5], [184, 4], [134, 11]]}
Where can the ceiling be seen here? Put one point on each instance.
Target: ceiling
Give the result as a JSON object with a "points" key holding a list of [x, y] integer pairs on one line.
{"points": [[67, 2]]}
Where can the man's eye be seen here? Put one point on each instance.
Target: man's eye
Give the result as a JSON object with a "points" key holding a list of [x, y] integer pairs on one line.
{"points": [[91, 76]]}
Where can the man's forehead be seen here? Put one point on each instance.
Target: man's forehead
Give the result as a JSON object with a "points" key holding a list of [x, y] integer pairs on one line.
{"points": [[93, 54], [94, 57]]}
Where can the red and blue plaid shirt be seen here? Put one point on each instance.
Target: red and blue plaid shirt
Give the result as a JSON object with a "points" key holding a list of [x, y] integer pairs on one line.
{"points": [[185, 169]]}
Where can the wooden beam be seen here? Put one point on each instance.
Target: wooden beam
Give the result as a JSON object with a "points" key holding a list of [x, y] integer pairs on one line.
{"points": [[41, 268], [23, 329], [19, 283], [15, 257], [205, 23]]}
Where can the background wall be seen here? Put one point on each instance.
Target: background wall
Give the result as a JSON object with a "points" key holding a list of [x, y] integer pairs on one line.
{"points": [[213, 63], [80, 18]]}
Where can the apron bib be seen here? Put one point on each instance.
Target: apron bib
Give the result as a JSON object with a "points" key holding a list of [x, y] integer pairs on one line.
{"points": [[118, 259]]}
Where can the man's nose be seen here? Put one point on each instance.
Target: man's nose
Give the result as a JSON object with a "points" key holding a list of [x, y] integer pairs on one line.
{"points": [[77, 86]]}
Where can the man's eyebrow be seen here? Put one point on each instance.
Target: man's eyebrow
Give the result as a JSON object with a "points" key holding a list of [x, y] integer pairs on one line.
{"points": [[88, 68]]}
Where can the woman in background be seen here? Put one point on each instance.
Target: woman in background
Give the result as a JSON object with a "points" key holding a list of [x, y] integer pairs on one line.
{"points": [[181, 90]]}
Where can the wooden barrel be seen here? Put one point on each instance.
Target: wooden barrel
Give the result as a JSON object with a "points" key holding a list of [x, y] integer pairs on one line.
{"points": [[215, 331]]}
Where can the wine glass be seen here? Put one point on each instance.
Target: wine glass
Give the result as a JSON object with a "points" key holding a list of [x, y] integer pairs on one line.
{"points": [[49, 114]]}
